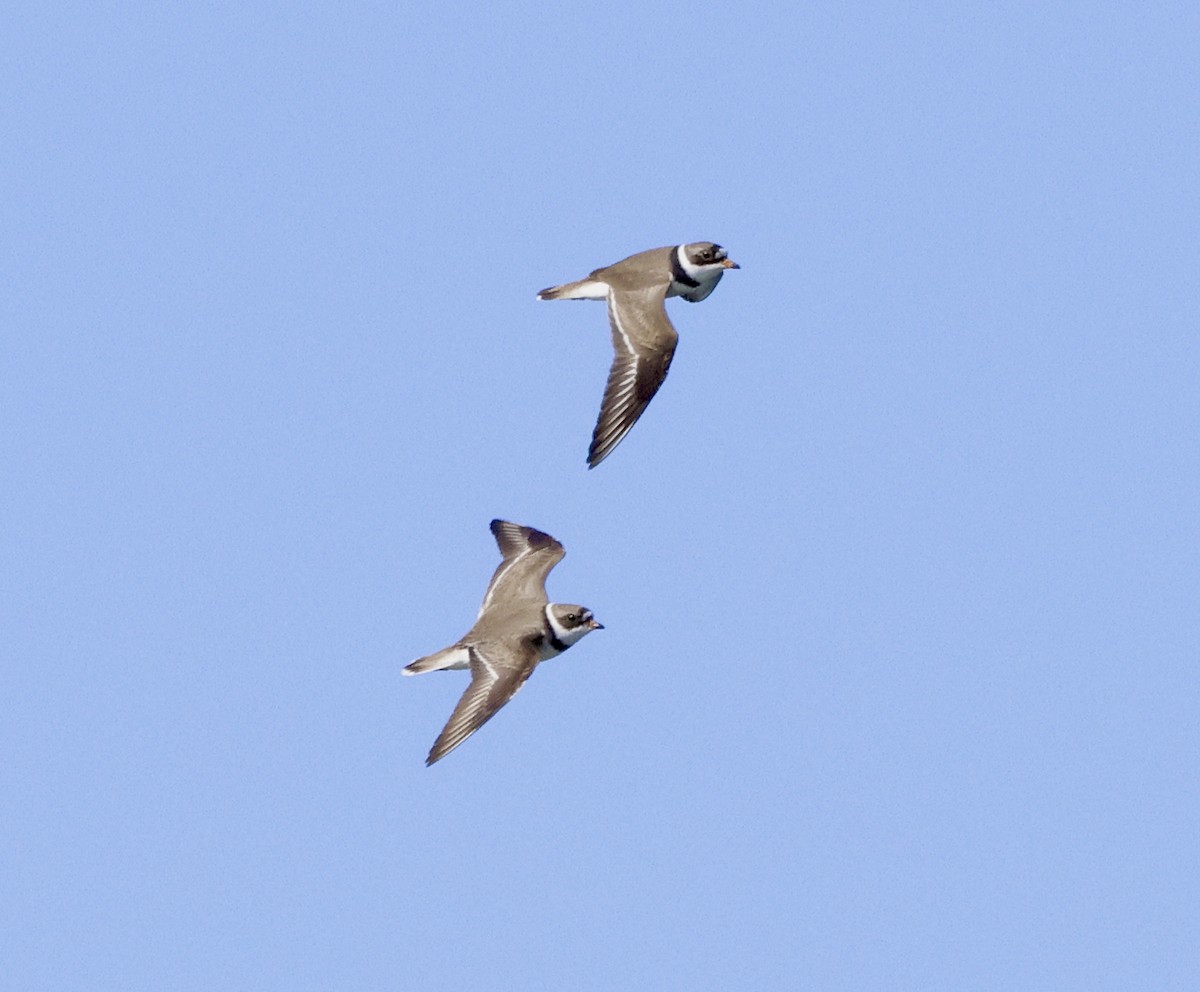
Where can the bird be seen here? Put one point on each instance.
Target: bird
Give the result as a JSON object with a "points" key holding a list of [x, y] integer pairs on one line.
{"points": [[636, 289], [517, 628]]}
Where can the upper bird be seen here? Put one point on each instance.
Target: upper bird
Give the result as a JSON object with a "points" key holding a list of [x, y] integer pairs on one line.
{"points": [[517, 628], [636, 289]]}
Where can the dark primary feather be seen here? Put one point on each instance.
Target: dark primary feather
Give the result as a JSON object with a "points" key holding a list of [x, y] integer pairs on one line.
{"points": [[643, 343], [493, 683], [515, 538]]}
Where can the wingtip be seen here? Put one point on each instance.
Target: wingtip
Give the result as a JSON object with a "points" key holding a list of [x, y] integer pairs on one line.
{"points": [[597, 453], [514, 538], [438, 752]]}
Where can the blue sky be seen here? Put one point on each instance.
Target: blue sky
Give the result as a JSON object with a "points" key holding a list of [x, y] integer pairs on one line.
{"points": [[899, 571]]}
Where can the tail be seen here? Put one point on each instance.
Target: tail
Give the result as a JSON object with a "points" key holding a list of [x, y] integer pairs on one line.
{"points": [[583, 289], [452, 657]]}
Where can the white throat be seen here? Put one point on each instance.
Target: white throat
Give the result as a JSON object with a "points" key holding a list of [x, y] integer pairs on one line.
{"points": [[706, 275]]}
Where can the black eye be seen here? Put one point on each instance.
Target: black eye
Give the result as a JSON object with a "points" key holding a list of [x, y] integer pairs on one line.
{"points": [[572, 617]]}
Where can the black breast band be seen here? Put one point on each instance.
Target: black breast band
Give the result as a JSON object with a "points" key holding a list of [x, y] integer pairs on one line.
{"points": [[679, 274]]}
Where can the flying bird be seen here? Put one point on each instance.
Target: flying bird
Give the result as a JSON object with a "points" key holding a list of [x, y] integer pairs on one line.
{"points": [[516, 629], [636, 289]]}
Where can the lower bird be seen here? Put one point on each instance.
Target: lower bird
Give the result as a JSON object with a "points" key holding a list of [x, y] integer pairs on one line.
{"points": [[636, 289], [517, 628]]}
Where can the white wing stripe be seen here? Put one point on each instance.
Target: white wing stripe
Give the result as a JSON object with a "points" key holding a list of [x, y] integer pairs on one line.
{"points": [[487, 599], [616, 316]]}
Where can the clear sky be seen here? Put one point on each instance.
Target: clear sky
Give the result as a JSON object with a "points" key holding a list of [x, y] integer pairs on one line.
{"points": [[900, 571]]}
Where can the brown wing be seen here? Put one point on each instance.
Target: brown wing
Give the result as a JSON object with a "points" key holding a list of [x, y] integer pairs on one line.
{"points": [[497, 672], [644, 342], [520, 580]]}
